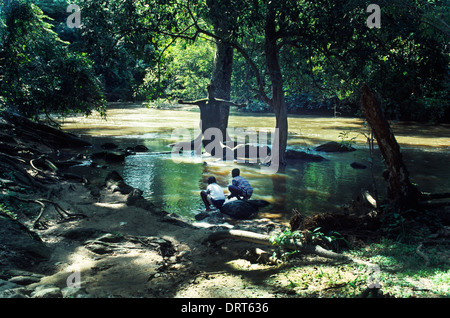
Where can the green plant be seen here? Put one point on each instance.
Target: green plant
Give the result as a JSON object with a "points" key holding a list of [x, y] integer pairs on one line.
{"points": [[332, 237], [287, 236], [4, 209], [346, 140]]}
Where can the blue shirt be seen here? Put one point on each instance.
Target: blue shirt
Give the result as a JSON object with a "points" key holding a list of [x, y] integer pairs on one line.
{"points": [[243, 184]]}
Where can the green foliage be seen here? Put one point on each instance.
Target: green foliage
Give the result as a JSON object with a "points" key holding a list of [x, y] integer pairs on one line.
{"points": [[127, 50], [39, 72], [186, 72], [326, 52], [309, 237]]}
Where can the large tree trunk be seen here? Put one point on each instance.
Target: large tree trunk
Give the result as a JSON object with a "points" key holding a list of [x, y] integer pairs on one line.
{"points": [[400, 191], [277, 102], [216, 114]]}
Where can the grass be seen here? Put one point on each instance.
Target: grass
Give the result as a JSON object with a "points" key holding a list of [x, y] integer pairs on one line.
{"points": [[402, 273]]}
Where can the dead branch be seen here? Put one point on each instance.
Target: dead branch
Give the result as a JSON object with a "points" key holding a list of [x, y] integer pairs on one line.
{"points": [[265, 240]]}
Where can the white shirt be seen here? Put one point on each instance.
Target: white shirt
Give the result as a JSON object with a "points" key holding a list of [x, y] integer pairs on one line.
{"points": [[215, 191]]}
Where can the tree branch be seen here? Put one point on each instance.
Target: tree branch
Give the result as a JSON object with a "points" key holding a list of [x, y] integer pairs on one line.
{"points": [[260, 84]]}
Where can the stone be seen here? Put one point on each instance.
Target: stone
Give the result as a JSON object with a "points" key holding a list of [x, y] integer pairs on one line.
{"points": [[6, 285], [115, 182], [357, 165], [24, 280], [70, 292], [242, 209], [46, 291], [334, 146]]}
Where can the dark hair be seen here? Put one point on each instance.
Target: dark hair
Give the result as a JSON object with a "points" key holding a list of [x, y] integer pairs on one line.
{"points": [[211, 180], [235, 172]]}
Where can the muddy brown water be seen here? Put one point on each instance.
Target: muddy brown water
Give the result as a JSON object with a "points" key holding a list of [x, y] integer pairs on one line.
{"points": [[310, 187]]}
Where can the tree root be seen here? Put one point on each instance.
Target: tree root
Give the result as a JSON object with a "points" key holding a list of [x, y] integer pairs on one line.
{"points": [[290, 244], [65, 215]]}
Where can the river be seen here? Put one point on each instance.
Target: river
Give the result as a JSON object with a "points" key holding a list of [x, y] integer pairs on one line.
{"points": [[309, 187]]}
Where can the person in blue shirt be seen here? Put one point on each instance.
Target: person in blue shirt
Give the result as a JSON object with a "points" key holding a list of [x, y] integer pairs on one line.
{"points": [[239, 187], [213, 195]]}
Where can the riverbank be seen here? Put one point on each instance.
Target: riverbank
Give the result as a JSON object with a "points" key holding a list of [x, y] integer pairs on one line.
{"points": [[114, 243]]}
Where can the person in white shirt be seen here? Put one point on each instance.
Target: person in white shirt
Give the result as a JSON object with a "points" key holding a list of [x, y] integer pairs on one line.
{"points": [[213, 195]]}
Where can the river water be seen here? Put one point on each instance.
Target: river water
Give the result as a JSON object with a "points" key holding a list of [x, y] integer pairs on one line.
{"points": [[310, 187]]}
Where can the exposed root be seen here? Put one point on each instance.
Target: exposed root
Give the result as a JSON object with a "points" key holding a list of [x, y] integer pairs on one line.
{"points": [[64, 214]]}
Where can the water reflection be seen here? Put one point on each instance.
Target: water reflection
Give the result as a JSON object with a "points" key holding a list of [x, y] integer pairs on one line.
{"points": [[308, 187]]}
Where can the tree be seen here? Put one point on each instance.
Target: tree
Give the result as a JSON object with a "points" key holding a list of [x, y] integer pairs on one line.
{"points": [[268, 12], [119, 37], [40, 74], [222, 19], [400, 191], [405, 59]]}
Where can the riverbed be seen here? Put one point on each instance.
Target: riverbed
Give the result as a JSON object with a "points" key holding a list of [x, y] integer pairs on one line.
{"points": [[310, 187]]}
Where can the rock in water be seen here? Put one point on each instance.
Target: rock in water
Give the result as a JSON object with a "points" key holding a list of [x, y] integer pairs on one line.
{"points": [[243, 209], [334, 146]]}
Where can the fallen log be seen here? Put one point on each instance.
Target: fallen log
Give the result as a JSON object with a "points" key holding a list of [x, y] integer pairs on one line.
{"points": [[263, 239]]}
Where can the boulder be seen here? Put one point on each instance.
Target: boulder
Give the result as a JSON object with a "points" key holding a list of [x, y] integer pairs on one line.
{"points": [[357, 165], [47, 291], [137, 148], [334, 146], [243, 209], [115, 182]]}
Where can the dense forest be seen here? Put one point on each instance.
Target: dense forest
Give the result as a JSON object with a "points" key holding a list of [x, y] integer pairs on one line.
{"points": [[164, 50], [385, 63]]}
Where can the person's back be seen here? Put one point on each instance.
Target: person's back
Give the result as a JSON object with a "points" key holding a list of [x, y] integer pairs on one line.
{"points": [[215, 191], [213, 195], [239, 186], [242, 183]]}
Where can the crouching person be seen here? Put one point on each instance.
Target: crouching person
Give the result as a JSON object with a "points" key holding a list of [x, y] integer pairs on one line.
{"points": [[213, 195]]}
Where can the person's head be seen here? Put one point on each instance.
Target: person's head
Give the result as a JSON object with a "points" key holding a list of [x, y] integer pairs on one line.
{"points": [[211, 180], [235, 172]]}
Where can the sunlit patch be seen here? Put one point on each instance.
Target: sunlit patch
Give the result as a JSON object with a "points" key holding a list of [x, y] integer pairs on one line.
{"points": [[116, 206]]}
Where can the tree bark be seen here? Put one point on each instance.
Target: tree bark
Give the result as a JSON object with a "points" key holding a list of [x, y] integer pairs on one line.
{"points": [[400, 191], [216, 114], [277, 101]]}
